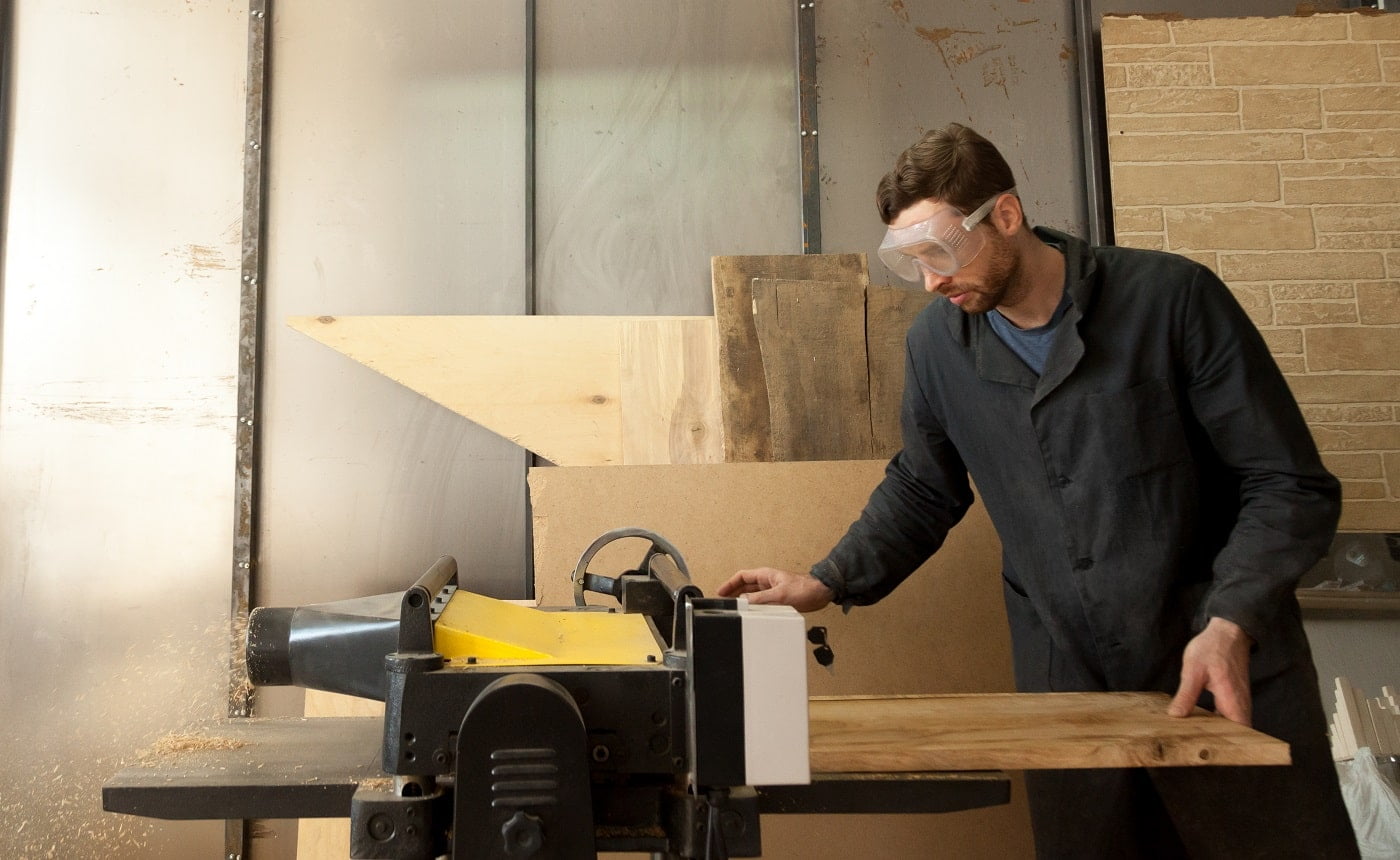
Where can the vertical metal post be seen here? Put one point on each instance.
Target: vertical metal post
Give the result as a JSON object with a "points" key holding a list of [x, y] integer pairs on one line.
{"points": [[807, 126], [1091, 117], [531, 290], [249, 379]]}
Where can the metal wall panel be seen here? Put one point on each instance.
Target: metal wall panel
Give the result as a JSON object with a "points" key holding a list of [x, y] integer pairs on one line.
{"points": [[116, 408], [889, 72], [667, 134], [396, 175]]}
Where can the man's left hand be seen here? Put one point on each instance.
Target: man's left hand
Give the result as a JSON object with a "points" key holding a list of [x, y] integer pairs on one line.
{"points": [[1216, 659]]}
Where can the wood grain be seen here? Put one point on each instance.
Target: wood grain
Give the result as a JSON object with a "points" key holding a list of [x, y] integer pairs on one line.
{"points": [[1026, 731], [889, 311], [560, 386], [811, 335], [743, 397], [670, 391]]}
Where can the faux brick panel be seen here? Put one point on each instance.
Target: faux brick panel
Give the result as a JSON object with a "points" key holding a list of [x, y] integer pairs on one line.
{"points": [[1356, 219], [1209, 259], [1351, 349], [1339, 190], [1363, 490], [1345, 169], [1171, 100], [1291, 363], [1145, 241], [1262, 65], [1123, 56], [1313, 292], [1344, 388], [1371, 414], [1363, 516], [1284, 341], [1243, 146], [1355, 241], [1354, 466], [1363, 120], [1375, 27], [1314, 313], [1356, 437], [1137, 185], [1381, 143], [1360, 98], [1114, 77], [1239, 228], [1392, 472], [1170, 75], [1138, 220], [1187, 122], [1134, 30], [1316, 28], [1379, 304], [1256, 303], [1281, 109], [1286, 266]]}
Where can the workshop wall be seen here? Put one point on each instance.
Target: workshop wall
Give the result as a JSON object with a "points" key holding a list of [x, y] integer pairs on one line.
{"points": [[118, 367], [1269, 149]]}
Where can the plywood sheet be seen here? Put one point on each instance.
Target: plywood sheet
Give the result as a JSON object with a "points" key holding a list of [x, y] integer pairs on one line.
{"points": [[811, 336], [889, 311], [555, 385], [1026, 731], [743, 397]]}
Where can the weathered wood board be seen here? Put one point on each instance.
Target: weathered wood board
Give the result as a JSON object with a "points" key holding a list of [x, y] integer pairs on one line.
{"points": [[743, 396], [811, 337], [889, 311], [1026, 731], [576, 390]]}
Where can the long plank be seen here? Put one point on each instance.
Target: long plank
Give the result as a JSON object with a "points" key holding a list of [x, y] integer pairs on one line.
{"points": [[889, 311], [1026, 731], [743, 397], [670, 391], [811, 335], [552, 384]]}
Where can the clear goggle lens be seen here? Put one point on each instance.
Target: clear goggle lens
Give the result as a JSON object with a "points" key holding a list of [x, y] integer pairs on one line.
{"points": [[941, 244]]}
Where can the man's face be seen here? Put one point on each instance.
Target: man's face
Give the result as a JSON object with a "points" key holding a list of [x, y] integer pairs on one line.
{"points": [[982, 284]]}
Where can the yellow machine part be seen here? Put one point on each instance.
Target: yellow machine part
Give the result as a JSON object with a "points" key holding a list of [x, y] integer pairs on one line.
{"points": [[497, 632]]}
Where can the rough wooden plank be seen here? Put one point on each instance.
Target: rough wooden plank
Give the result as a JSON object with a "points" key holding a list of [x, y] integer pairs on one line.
{"points": [[889, 311], [1026, 731], [552, 384], [670, 391], [743, 398], [811, 336]]}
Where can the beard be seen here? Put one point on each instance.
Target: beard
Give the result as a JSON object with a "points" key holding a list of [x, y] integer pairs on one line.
{"points": [[1000, 284]]}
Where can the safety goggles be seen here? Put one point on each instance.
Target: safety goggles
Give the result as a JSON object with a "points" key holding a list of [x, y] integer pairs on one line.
{"points": [[940, 244]]}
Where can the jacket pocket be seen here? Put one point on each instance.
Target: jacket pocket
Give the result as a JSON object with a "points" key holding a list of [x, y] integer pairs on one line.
{"points": [[1136, 431]]}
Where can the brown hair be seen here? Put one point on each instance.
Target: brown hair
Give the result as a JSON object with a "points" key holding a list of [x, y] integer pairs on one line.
{"points": [[953, 164]]}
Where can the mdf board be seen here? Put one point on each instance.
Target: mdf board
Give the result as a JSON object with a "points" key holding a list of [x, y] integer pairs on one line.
{"points": [[942, 631], [811, 338], [743, 396], [576, 390]]}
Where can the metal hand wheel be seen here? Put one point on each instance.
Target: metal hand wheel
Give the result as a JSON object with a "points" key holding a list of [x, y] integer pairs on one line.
{"points": [[585, 582]]}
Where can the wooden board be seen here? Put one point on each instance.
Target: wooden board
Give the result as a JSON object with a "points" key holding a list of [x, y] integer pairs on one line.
{"points": [[670, 392], [811, 336], [743, 397], [889, 311], [555, 385], [1026, 731]]}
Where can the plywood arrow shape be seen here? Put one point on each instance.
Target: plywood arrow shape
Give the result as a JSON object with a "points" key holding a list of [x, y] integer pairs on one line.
{"points": [[576, 390]]}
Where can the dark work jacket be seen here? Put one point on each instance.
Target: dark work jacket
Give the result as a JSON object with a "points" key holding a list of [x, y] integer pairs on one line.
{"points": [[1158, 473]]}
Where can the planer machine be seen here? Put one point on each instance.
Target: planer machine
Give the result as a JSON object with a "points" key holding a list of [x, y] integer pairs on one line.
{"points": [[666, 725]]}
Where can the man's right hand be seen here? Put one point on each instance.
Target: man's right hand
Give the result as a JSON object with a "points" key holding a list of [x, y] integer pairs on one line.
{"points": [[802, 592]]}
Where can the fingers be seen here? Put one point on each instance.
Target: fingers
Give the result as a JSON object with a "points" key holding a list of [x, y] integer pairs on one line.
{"points": [[1187, 693], [745, 582], [1233, 703]]}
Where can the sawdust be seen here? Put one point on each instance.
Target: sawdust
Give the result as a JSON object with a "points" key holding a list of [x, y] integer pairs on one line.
{"points": [[176, 743]]}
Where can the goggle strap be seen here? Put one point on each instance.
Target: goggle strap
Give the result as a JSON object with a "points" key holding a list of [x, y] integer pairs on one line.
{"points": [[981, 211]]}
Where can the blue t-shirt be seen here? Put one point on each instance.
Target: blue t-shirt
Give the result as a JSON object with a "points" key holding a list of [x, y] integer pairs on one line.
{"points": [[1032, 345]]}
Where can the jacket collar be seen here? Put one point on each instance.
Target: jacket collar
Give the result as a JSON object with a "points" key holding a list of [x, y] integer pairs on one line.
{"points": [[997, 363]]}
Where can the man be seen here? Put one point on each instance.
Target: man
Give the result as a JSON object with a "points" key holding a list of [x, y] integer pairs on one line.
{"points": [[1157, 493]]}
